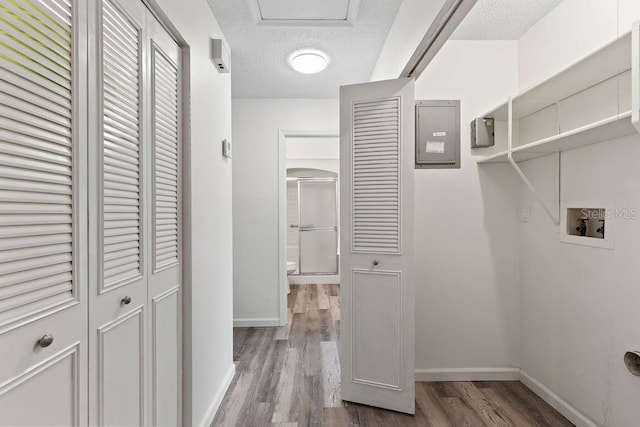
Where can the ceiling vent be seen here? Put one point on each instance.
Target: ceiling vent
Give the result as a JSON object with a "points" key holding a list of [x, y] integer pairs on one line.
{"points": [[332, 13]]}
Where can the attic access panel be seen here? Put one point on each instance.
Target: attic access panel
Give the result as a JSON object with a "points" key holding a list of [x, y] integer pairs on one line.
{"points": [[304, 12]]}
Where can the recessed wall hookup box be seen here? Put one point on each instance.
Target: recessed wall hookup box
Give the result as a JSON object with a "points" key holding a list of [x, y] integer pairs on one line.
{"points": [[587, 224]]}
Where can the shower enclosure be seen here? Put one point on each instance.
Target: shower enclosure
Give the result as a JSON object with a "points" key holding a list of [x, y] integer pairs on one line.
{"points": [[312, 213]]}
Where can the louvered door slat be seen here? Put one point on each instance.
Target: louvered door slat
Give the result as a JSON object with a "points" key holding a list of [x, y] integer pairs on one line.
{"points": [[29, 100], [121, 179], [36, 157], [19, 41], [375, 176], [22, 23], [166, 166]]}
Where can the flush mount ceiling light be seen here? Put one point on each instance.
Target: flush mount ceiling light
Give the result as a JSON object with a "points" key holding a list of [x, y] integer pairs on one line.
{"points": [[308, 61]]}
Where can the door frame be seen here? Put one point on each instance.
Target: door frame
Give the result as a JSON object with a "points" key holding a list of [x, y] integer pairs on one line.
{"points": [[282, 210]]}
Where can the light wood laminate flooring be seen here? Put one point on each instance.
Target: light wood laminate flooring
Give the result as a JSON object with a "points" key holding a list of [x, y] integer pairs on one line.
{"points": [[290, 376]]}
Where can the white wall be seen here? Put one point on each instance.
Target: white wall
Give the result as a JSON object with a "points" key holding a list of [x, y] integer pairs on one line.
{"points": [[313, 153], [579, 304], [256, 123], [208, 345], [466, 225], [571, 31], [412, 22]]}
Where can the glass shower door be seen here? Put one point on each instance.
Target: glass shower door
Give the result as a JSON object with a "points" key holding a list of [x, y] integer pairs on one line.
{"points": [[318, 234]]}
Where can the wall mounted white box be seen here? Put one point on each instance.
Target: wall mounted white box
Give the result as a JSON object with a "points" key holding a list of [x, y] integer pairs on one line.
{"points": [[603, 243], [220, 56]]}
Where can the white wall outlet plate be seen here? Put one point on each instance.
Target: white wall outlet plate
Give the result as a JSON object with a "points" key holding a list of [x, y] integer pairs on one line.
{"points": [[525, 213]]}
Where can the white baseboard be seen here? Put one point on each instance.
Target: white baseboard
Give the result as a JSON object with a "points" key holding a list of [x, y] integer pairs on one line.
{"points": [[468, 374], [329, 279], [568, 411], [217, 400], [256, 323]]}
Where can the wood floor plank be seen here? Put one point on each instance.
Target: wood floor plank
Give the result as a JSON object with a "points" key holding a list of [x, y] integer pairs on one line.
{"points": [[482, 406], [284, 396], [516, 416], [289, 376], [239, 341], [298, 330], [272, 369], [312, 363], [328, 330], [330, 375], [283, 331], [230, 414], [323, 297], [337, 417], [262, 414], [459, 413], [428, 402], [334, 303], [376, 417], [536, 409], [312, 299], [300, 305]]}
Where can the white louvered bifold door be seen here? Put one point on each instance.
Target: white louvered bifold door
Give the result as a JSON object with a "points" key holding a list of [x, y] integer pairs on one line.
{"points": [[165, 273], [376, 244], [42, 212], [119, 280]]}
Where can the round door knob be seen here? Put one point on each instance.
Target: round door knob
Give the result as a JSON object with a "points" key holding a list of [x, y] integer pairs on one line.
{"points": [[45, 341], [126, 300], [376, 262]]}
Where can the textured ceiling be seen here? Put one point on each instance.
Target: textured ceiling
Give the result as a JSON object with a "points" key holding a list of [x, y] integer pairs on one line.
{"points": [[303, 9], [502, 19], [259, 53]]}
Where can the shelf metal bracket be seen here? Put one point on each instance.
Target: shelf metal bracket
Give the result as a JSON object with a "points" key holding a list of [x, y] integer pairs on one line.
{"points": [[554, 218]]}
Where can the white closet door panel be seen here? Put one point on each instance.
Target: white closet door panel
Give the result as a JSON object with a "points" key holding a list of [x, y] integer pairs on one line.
{"points": [[43, 236], [117, 320], [376, 259], [376, 314], [60, 372], [166, 229], [165, 360], [121, 370], [122, 169]]}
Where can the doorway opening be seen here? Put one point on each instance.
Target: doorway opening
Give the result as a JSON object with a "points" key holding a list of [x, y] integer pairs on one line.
{"points": [[308, 211]]}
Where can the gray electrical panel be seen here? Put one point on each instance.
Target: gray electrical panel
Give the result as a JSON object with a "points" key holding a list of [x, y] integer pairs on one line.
{"points": [[482, 133], [438, 134]]}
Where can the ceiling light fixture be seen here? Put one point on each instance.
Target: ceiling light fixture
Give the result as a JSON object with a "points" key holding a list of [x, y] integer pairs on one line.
{"points": [[308, 61]]}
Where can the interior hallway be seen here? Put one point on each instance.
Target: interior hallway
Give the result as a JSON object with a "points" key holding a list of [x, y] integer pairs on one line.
{"points": [[291, 376]]}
